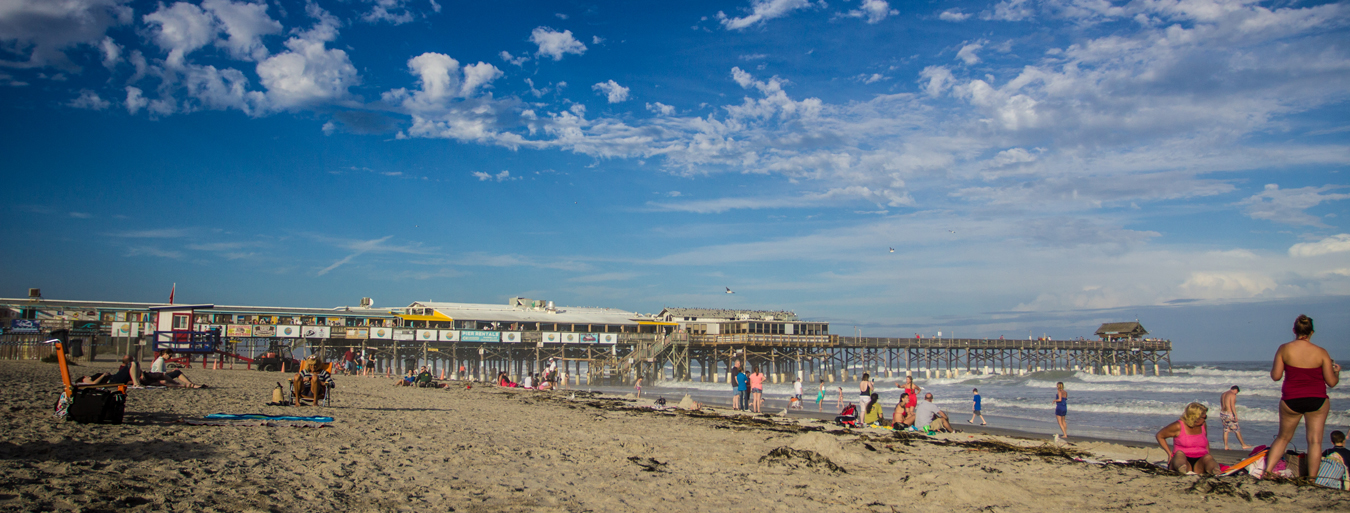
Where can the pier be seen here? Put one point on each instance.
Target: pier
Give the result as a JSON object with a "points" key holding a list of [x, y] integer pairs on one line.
{"points": [[590, 345]]}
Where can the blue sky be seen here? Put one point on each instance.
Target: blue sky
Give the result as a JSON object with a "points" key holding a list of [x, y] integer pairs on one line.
{"points": [[1037, 166]]}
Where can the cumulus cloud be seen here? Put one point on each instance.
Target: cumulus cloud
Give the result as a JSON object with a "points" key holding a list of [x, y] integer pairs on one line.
{"points": [[953, 15], [244, 25], [612, 91], [392, 11], [180, 29], [89, 100], [44, 30], [499, 177], [967, 52], [556, 44], [1288, 206], [308, 72], [873, 11], [1339, 243], [762, 10], [661, 108], [518, 61], [1010, 10]]}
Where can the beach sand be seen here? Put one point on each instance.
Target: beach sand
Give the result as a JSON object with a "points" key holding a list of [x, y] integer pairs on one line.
{"points": [[491, 449]]}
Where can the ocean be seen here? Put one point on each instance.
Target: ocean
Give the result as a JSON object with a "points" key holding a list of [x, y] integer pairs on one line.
{"points": [[1117, 407]]}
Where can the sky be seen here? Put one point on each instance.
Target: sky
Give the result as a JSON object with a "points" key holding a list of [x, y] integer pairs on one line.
{"points": [[979, 168]]}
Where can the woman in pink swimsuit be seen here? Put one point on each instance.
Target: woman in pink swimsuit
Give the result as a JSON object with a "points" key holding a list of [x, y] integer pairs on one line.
{"points": [[1307, 371], [1190, 442]]}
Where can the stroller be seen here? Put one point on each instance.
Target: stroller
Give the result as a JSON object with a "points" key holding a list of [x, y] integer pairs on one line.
{"points": [[848, 417]]}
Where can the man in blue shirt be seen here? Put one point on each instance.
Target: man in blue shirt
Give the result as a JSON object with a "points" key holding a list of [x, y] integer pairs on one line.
{"points": [[743, 388]]}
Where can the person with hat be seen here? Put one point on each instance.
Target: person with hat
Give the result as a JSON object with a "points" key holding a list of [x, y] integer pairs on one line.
{"points": [[314, 377]]}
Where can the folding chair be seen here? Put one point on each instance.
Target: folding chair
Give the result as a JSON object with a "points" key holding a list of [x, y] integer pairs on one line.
{"points": [[87, 402], [325, 392]]}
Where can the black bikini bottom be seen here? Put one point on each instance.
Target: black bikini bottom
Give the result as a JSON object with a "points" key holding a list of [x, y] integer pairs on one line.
{"points": [[1305, 404]]}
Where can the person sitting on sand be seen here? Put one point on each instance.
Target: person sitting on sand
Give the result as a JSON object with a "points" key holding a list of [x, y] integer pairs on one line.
{"points": [[903, 417], [159, 372], [875, 413], [1190, 442], [928, 414], [529, 381], [1338, 448], [314, 378]]}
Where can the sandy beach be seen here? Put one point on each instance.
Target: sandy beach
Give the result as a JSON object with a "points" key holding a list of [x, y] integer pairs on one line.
{"points": [[491, 449]]}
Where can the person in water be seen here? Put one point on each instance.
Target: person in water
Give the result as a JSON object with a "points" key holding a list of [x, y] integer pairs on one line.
{"points": [[1062, 408], [1307, 371], [1190, 442]]}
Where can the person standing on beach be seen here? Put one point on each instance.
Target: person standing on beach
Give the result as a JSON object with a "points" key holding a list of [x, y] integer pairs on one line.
{"points": [[743, 388], [820, 397], [976, 411], [864, 394], [756, 390], [1228, 416], [912, 390], [348, 362], [1303, 395], [840, 404], [1062, 408], [638, 386]]}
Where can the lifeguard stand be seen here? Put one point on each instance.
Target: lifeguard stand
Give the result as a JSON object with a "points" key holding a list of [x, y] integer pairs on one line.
{"points": [[174, 330]]}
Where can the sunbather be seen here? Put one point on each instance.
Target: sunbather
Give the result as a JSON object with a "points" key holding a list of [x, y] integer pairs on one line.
{"points": [[312, 381]]}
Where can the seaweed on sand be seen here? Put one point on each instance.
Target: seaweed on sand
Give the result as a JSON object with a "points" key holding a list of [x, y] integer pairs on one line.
{"points": [[798, 458], [997, 446]]}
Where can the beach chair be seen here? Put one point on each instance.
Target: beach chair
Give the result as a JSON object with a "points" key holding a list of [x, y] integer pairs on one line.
{"points": [[325, 392], [89, 403]]}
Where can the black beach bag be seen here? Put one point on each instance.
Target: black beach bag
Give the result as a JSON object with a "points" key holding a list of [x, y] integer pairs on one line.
{"points": [[97, 406]]}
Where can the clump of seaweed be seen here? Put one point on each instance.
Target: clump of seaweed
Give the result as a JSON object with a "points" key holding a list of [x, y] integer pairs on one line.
{"points": [[1037, 450], [799, 458]]}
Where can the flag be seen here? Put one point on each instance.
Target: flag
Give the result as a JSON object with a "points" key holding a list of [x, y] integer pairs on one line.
{"points": [[171, 291]]}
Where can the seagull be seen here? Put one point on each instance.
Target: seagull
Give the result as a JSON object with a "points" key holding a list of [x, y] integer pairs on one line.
{"points": [[729, 291], [953, 231], [890, 248]]}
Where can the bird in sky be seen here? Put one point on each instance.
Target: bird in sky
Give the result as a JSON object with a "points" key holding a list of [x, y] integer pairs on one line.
{"points": [[729, 291], [892, 249], [953, 231]]}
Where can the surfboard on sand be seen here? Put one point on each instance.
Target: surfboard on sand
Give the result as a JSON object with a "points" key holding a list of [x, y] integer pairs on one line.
{"points": [[1243, 464]]}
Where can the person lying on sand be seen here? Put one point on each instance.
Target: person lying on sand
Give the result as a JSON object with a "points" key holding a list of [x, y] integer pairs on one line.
{"points": [[1189, 453], [174, 378]]}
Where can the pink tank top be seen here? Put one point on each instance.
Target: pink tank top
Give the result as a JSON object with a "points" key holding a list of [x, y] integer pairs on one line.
{"points": [[1300, 382], [1193, 446]]}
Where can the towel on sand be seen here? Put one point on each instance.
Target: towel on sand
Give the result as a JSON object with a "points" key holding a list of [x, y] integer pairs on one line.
{"points": [[259, 416]]}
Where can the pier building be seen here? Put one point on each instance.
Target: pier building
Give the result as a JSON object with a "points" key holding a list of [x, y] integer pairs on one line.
{"points": [[593, 345]]}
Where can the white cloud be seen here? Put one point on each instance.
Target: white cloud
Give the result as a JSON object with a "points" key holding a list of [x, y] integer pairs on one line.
{"points": [[661, 108], [309, 72], [953, 15], [873, 11], [43, 30], [112, 52], [180, 28], [939, 78], [1227, 285], [245, 24], [89, 100], [1339, 243], [477, 76], [135, 102], [1010, 10], [392, 11], [762, 10], [1287, 206], [967, 52], [840, 196], [499, 177], [556, 44], [612, 91], [506, 56]]}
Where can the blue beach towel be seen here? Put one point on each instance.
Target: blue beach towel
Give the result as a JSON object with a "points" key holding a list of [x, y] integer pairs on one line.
{"points": [[259, 416]]}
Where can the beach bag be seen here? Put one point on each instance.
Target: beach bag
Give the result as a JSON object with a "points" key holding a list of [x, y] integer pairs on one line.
{"points": [[1332, 474], [97, 406]]}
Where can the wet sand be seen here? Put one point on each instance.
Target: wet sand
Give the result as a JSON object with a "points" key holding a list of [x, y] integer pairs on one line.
{"points": [[491, 449]]}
